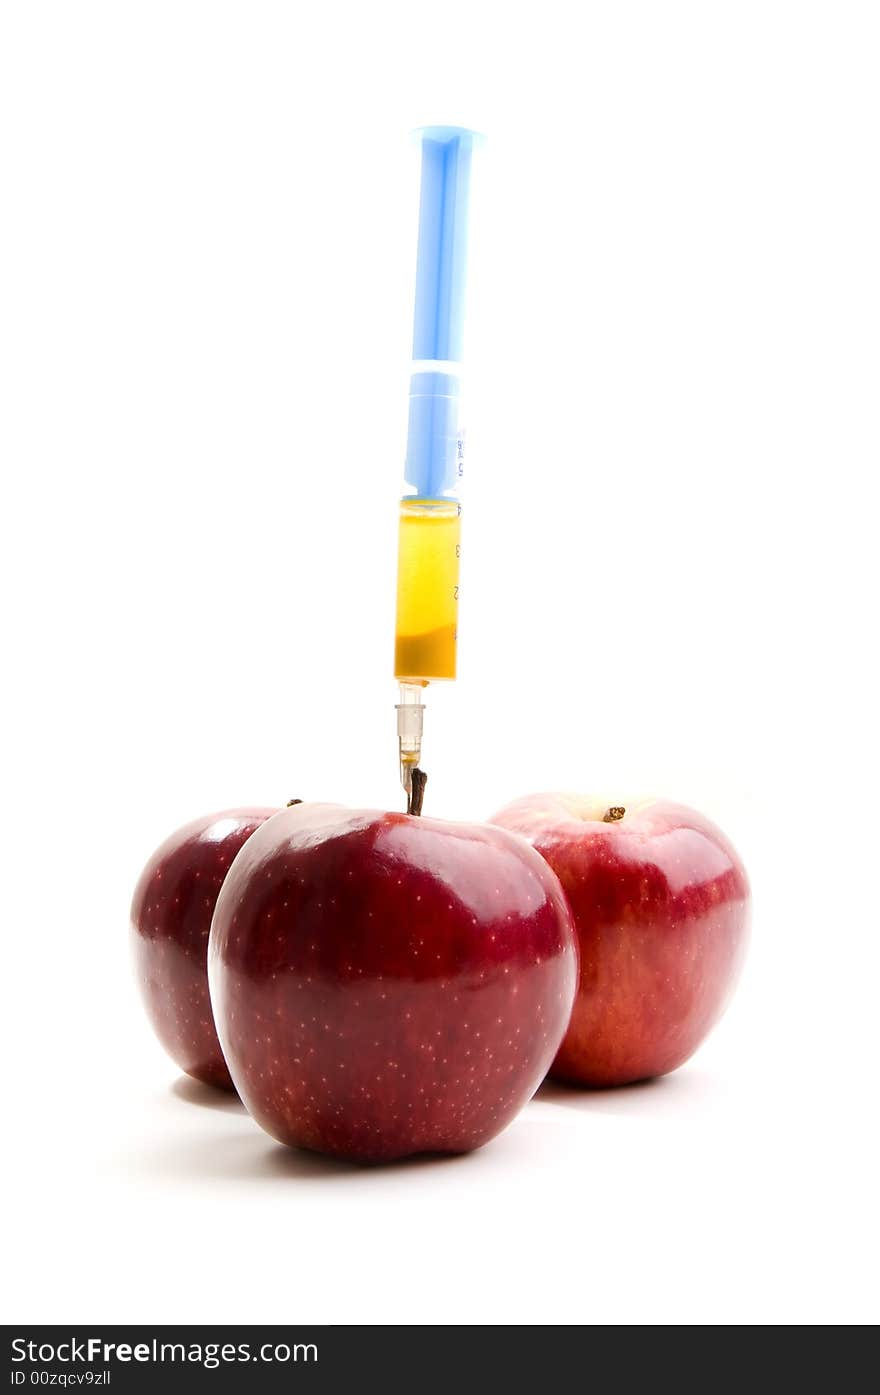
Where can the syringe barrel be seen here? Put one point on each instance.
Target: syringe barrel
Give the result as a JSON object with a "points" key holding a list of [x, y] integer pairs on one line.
{"points": [[426, 630], [435, 439]]}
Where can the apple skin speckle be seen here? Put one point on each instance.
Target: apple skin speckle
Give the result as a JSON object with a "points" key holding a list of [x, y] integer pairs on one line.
{"points": [[662, 906], [170, 920], [417, 995]]}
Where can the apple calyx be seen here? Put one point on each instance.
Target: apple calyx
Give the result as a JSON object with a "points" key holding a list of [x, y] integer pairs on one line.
{"points": [[417, 793], [614, 814], [290, 803]]}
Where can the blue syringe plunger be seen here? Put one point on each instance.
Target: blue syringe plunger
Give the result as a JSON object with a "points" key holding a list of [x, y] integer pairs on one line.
{"points": [[441, 270], [441, 265]]}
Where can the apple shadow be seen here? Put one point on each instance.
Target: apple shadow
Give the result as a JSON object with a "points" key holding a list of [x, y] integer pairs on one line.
{"points": [[206, 1096], [279, 1161], [236, 1158], [247, 1154], [661, 1094]]}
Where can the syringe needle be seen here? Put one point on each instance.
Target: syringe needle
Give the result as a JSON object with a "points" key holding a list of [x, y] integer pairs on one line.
{"points": [[410, 720]]}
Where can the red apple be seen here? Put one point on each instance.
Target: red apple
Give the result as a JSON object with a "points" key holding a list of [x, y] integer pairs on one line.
{"points": [[170, 920], [661, 907], [386, 985]]}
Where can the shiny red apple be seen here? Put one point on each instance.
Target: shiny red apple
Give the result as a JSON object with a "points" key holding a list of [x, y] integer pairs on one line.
{"points": [[385, 985], [170, 919], [661, 906]]}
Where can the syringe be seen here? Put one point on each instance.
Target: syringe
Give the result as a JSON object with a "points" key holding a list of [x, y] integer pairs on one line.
{"points": [[430, 514]]}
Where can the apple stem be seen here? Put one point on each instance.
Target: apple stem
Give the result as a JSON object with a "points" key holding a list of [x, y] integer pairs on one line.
{"points": [[417, 794], [614, 814], [291, 802]]}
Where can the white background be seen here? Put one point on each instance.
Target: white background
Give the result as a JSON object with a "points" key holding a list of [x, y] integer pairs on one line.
{"points": [[206, 255]]}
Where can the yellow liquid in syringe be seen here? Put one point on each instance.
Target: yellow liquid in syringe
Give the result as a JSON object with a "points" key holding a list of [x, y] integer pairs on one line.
{"points": [[427, 589]]}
